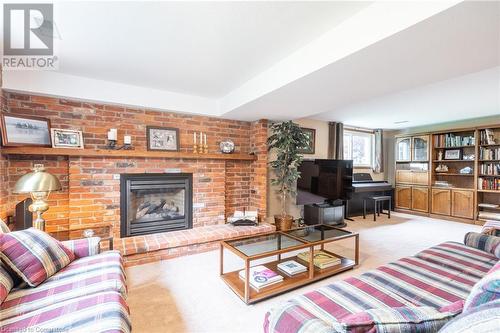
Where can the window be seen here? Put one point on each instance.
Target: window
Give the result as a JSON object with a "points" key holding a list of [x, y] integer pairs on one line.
{"points": [[358, 146]]}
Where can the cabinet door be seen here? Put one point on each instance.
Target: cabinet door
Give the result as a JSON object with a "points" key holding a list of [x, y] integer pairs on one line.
{"points": [[403, 149], [403, 197], [420, 148], [420, 178], [420, 198], [403, 176], [441, 201], [462, 203]]}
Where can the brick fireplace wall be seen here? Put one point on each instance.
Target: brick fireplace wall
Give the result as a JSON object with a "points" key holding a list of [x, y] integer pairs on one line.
{"points": [[91, 191]]}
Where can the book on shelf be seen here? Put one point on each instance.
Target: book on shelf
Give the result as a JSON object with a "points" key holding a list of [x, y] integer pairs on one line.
{"points": [[487, 136], [321, 259], [450, 140], [491, 169], [291, 267], [261, 277], [488, 205], [488, 183], [489, 216], [489, 153]]}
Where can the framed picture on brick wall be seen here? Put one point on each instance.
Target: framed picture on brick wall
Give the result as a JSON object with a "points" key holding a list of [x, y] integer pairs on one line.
{"points": [[25, 131], [64, 138], [163, 138]]}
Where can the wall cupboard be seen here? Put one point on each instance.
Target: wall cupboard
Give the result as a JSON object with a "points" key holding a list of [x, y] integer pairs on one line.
{"points": [[452, 173]]}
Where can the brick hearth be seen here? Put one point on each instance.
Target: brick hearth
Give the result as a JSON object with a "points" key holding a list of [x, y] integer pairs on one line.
{"points": [[90, 192]]}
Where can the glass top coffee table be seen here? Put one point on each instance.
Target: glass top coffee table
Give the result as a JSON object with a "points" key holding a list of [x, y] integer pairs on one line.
{"points": [[281, 246]]}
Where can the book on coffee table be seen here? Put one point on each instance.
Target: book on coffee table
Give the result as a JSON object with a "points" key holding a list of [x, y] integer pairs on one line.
{"points": [[321, 259], [261, 277], [291, 267]]}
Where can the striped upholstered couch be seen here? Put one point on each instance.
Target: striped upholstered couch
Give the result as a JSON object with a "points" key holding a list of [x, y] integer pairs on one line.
{"points": [[88, 295], [421, 294]]}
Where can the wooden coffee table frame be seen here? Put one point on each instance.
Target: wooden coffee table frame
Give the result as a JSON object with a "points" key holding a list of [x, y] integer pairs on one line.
{"points": [[250, 295]]}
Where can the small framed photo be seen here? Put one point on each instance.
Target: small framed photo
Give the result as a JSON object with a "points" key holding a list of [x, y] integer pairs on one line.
{"points": [[311, 139], [453, 154], [25, 131], [163, 138], [65, 138]]}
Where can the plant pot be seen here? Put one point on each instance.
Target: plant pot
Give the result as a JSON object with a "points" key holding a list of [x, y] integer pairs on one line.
{"points": [[283, 222]]}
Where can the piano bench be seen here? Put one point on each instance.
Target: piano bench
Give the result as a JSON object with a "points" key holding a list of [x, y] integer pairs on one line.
{"points": [[378, 202]]}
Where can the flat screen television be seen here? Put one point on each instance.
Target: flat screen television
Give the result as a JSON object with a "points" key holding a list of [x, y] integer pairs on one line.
{"points": [[324, 181]]}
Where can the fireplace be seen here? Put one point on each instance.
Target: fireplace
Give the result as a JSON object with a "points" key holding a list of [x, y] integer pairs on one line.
{"points": [[155, 202]]}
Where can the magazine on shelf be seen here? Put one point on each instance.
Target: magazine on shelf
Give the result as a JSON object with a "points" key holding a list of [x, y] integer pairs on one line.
{"points": [[321, 259], [261, 276], [291, 267]]}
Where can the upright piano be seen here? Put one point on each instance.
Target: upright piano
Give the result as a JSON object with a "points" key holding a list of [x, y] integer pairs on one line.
{"points": [[364, 186]]}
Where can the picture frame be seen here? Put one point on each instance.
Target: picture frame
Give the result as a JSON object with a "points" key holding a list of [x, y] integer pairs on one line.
{"points": [[66, 138], [311, 145], [162, 138], [25, 131], [453, 154]]}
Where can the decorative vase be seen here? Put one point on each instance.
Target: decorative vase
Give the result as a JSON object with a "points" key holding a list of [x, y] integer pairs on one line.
{"points": [[283, 222]]}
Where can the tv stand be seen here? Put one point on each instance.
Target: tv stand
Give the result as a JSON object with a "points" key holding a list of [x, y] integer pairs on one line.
{"points": [[325, 213]]}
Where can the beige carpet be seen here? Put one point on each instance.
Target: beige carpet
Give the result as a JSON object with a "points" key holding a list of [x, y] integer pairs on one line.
{"points": [[186, 294]]}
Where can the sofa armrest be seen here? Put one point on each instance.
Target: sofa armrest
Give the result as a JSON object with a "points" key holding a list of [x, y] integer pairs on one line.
{"points": [[483, 242], [84, 247], [401, 319]]}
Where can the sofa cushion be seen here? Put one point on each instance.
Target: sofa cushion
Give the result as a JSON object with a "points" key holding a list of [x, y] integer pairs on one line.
{"points": [[468, 260], [84, 247], [487, 243], [6, 282], [99, 312], [34, 255], [422, 319], [486, 290], [484, 318], [86, 276]]}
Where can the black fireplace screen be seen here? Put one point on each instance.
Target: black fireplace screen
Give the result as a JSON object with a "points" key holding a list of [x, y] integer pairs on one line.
{"points": [[152, 203]]}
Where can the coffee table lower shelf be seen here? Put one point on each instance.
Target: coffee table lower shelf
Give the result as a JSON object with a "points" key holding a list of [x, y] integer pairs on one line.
{"points": [[236, 284]]}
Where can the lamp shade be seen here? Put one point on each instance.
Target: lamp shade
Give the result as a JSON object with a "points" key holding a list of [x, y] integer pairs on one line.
{"points": [[37, 181]]}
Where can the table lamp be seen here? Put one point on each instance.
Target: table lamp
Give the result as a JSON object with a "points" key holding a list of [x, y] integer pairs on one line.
{"points": [[39, 184]]}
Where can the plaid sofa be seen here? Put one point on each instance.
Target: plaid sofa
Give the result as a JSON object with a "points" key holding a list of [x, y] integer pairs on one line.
{"points": [[88, 295], [420, 293]]}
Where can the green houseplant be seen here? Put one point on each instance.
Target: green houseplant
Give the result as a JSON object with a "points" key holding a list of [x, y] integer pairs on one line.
{"points": [[286, 139]]}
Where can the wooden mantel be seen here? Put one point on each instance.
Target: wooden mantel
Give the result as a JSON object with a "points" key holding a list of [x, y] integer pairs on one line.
{"points": [[121, 153]]}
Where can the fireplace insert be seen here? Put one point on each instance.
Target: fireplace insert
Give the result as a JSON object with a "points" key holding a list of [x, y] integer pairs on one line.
{"points": [[155, 202]]}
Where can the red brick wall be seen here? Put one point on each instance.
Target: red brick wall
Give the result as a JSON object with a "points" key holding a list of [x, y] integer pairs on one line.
{"points": [[91, 194]]}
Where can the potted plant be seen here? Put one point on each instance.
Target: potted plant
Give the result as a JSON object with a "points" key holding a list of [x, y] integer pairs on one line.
{"points": [[287, 139]]}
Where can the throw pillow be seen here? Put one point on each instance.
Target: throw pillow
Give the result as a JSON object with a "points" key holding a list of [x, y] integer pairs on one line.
{"points": [[34, 255], [422, 319], [6, 282], [3, 227], [485, 290], [482, 319], [483, 242]]}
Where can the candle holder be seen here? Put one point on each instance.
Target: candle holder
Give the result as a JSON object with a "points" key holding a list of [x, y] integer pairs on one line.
{"points": [[111, 145], [205, 149], [126, 146], [195, 148], [200, 149]]}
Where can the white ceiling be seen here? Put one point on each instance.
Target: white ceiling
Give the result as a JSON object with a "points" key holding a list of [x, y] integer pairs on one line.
{"points": [[199, 48], [369, 64]]}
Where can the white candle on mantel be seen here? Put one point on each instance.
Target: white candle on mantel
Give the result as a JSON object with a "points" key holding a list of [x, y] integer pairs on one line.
{"points": [[205, 137], [194, 137], [201, 138], [127, 139]]}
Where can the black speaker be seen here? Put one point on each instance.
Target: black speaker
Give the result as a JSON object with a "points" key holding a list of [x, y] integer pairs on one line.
{"points": [[24, 218]]}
